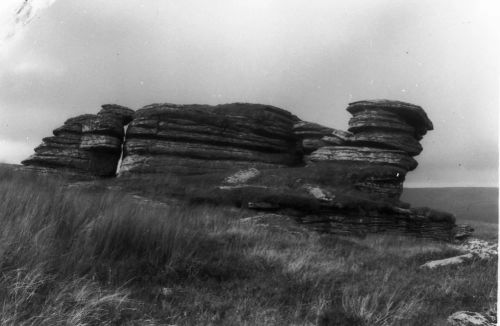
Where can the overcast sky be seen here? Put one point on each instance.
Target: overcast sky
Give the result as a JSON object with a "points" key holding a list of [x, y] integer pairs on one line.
{"points": [[67, 57]]}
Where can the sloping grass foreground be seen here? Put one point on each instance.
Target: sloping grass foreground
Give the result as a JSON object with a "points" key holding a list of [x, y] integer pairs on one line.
{"points": [[89, 256]]}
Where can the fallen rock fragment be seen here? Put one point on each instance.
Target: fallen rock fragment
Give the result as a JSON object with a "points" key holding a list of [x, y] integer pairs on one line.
{"points": [[319, 193], [448, 261], [468, 318], [474, 248], [242, 176]]}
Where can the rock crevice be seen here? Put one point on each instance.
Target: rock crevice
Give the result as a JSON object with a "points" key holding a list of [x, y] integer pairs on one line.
{"points": [[88, 144], [336, 181]]}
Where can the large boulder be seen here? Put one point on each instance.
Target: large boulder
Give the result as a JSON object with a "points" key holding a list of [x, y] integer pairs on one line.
{"points": [[388, 124], [89, 144], [376, 171], [194, 139], [412, 114]]}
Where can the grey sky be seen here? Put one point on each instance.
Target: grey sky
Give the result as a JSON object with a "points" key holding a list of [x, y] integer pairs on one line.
{"points": [[310, 57]]}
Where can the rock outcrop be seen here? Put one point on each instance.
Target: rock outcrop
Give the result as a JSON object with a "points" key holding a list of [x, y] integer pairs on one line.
{"points": [[198, 139], [390, 219], [265, 158], [389, 124], [88, 144], [384, 133], [309, 197]]}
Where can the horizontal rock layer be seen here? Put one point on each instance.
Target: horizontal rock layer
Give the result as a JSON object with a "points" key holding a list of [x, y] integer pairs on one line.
{"points": [[378, 118], [305, 129], [432, 224], [333, 181], [208, 138], [414, 115], [166, 164], [387, 139], [206, 151], [87, 143], [368, 155], [340, 209], [313, 136], [388, 124], [388, 224]]}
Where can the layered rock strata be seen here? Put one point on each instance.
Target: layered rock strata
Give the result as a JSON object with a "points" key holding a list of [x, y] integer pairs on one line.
{"points": [[384, 133], [389, 124], [331, 180], [312, 136], [387, 220], [197, 139], [367, 155], [309, 197], [88, 144]]}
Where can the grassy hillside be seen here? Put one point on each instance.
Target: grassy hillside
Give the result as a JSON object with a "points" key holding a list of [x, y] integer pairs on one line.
{"points": [[479, 204], [74, 255]]}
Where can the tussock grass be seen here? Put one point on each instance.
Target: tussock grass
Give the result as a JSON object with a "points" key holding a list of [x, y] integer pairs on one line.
{"points": [[89, 255], [36, 298], [383, 304]]}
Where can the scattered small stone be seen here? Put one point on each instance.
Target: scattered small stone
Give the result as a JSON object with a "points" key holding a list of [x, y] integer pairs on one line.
{"points": [[242, 176], [482, 249], [319, 193]]}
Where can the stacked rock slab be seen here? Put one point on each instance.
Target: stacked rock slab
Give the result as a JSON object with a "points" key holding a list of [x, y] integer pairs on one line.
{"points": [[198, 139], [420, 222], [351, 183], [384, 133], [313, 136], [389, 124], [88, 144]]}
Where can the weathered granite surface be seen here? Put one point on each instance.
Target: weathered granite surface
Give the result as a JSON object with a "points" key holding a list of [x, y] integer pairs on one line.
{"points": [[312, 136], [368, 155], [345, 182], [389, 124], [194, 139], [88, 144]]}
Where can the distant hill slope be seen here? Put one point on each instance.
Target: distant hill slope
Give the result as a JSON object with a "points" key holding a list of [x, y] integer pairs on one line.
{"points": [[479, 204]]}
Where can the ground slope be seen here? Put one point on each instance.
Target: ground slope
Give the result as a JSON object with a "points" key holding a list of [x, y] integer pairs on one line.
{"points": [[91, 254]]}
